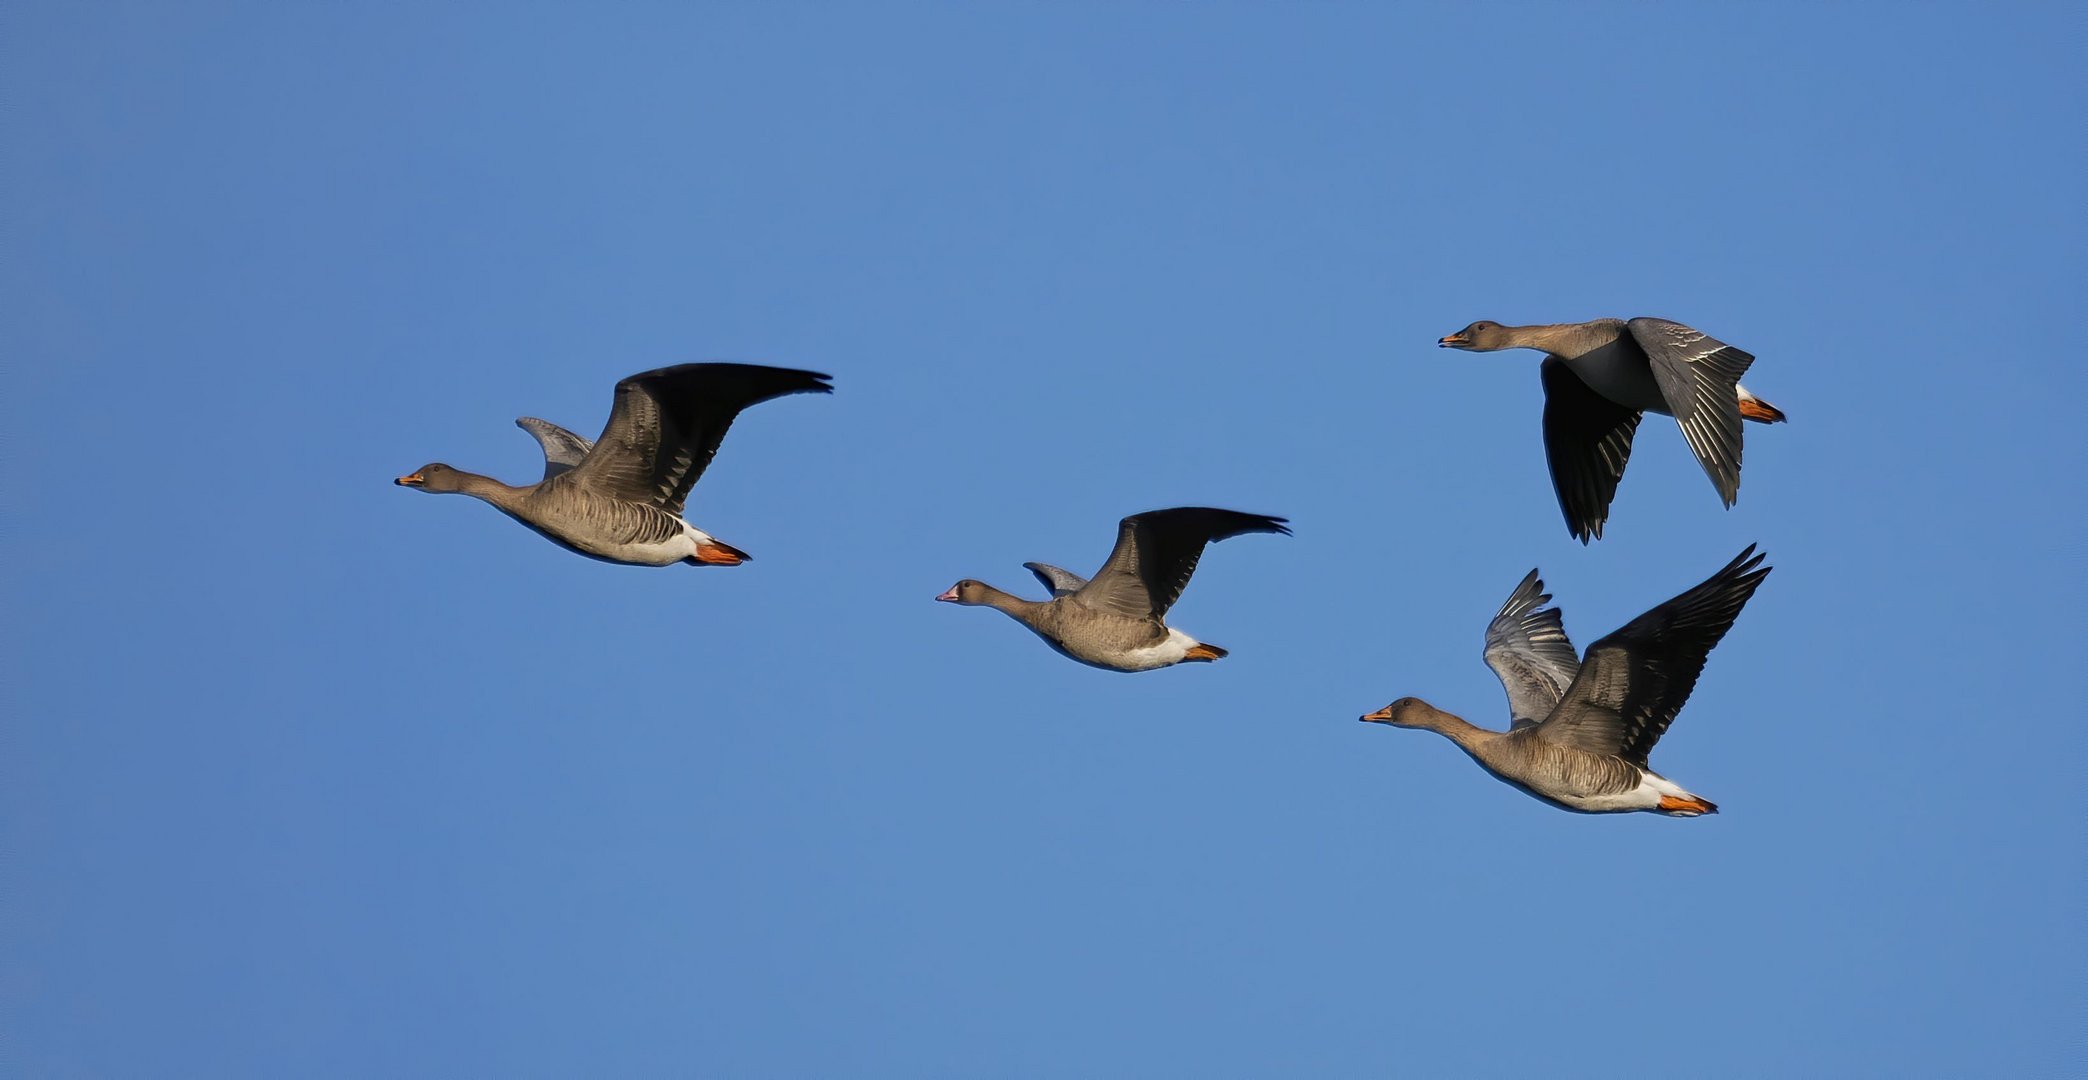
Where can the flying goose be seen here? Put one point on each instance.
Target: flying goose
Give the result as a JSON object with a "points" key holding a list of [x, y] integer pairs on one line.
{"points": [[1581, 731], [1601, 376], [1117, 621], [619, 499]]}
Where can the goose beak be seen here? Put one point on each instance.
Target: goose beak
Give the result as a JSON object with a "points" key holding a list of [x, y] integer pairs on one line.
{"points": [[1380, 715], [1451, 341], [415, 480], [949, 597]]}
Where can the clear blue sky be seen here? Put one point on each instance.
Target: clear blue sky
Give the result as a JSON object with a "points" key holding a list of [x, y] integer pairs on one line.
{"points": [[308, 775]]}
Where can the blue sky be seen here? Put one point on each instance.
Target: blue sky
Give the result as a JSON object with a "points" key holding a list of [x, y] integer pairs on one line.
{"points": [[307, 775]]}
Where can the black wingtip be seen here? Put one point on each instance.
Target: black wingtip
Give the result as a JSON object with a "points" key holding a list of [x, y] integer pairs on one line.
{"points": [[1264, 523], [764, 379], [800, 381], [1745, 571], [1214, 522]]}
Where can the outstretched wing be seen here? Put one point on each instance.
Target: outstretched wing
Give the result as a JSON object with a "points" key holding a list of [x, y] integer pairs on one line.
{"points": [[1157, 551], [1587, 440], [1057, 581], [1699, 377], [666, 425], [1634, 681], [562, 449], [1527, 647]]}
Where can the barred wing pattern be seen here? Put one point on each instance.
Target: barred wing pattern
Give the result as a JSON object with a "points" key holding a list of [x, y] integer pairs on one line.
{"points": [[666, 425], [1527, 648], [1633, 682], [1699, 376], [562, 449], [1157, 551]]}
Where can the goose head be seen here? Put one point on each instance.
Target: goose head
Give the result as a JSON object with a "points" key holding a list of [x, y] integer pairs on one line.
{"points": [[1408, 712], [434, 477], [968, 591], [1482, 336]]}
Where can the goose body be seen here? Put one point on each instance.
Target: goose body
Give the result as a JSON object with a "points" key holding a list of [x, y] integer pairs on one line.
{"points": [[1581, 730], [1620, 372], [1117, 620], [619, 498], [633, 543], [1111, 645], [1585, 784], [1600, 377], [619, 532]]}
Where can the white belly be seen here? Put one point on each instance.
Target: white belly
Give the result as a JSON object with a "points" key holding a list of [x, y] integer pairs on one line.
{"points": [[1166, 653], [1646, 796], [663, 553], [666, 553], [1170, 651]]}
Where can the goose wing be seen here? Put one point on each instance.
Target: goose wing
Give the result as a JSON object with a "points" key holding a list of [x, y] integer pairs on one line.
{"points": [[1527, 648], [1057, 581], [1157, 551], [1699, 377], [1587, 440], [562, 449], [1634, 681], [665, 427]]}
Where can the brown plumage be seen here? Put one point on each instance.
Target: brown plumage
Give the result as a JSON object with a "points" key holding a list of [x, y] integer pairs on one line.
{"points": [[1117, 620], [1600, 718], [1602, 375], [621, 501]]}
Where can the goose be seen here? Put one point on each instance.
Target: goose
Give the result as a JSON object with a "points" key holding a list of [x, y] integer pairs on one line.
{"points": [[1580, 731], [1117, 621], [1602, 376], [619, 499]]}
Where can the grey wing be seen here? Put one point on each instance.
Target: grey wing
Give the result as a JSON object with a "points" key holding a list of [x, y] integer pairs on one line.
{"points": [[1587, 440], [1157, 551], [1058, 582], [562, 448], [1527, 647], [1699, 377], [665, 427], [1635, 680]]}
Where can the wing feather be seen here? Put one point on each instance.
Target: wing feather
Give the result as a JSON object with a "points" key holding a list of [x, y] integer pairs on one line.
{"points": [[562, 449], [1633, 682], [1699, 377], [1587, 441], [665, 427], [1527, 648], [1058, 581], [1155, 553]]}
